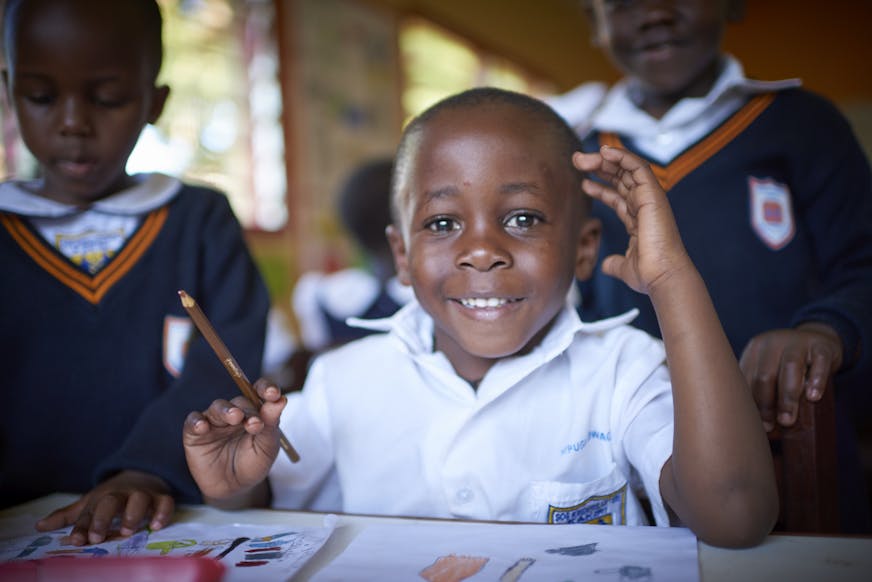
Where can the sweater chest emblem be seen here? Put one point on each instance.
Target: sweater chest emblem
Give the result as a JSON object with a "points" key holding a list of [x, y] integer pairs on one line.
{"points": [[771, 212]]}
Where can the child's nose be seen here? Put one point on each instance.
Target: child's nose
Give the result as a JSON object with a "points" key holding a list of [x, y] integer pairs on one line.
{"points": [[483, 250], [74, 117]]}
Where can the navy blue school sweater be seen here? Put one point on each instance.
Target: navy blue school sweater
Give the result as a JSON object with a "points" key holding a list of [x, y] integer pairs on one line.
{"points": [[775, 209], [89, 383]]}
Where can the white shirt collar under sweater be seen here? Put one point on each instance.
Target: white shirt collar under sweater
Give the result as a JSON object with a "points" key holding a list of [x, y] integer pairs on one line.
{"points": [[151, 191], [414, 328], [688, 121]]}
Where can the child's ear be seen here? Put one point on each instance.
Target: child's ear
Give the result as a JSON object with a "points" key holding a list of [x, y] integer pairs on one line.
{"points": [[159, 100], [587, 251], [398, 249]]}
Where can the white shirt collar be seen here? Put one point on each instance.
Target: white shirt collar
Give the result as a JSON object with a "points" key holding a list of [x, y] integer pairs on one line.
{"points": [[414, 328], [619, 114], [151, 191]]}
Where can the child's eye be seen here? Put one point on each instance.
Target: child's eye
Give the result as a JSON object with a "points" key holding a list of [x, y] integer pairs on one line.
{"points": [[442, 224], [108, 100], [523, 220], [40, 98]]}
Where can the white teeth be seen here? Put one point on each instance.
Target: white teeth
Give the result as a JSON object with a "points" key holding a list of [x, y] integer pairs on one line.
{"points": [[482, 302]]}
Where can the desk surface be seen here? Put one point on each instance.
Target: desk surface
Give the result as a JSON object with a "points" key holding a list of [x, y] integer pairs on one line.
{"points": [[780, 557]]}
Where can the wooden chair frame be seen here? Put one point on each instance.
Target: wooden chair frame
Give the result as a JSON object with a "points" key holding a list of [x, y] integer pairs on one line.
{"points": [[806, 468]]}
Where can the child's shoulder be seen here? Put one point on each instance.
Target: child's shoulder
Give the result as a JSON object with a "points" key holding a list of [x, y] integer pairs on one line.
{"points": [[366, 351], [806, 104], [615, 343]]}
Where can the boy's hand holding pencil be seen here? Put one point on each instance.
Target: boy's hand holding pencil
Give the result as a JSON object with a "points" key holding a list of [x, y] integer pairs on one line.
{"points": [[231, 446]]}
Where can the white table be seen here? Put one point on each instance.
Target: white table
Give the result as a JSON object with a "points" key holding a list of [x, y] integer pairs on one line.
{"points": [[789, 558]]}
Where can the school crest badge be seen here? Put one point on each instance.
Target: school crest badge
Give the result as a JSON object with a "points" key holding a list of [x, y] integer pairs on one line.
{"points": [[609, 509], [771, 212]]}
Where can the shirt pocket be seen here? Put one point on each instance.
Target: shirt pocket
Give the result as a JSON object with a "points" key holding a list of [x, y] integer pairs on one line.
{"points": [[602, 501]]}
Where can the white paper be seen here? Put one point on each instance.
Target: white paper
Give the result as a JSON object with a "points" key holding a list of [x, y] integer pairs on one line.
{"points": [[249, 552], [523, 553]]}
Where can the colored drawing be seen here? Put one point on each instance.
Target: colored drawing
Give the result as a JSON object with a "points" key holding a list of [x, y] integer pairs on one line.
{"points": [[134, 544], [515, 570], [453, 568], [252, 552], [34, 545], [582, 550], [265, 550], [88, 551], [630, 573], [170, 545], [232, 546], [484, 552]]}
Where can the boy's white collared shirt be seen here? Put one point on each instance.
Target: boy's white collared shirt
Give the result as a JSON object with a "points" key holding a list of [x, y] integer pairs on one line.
{"points": [[562, 434]]}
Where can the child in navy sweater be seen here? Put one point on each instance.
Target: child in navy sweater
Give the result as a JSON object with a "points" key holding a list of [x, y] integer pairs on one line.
{"points": [[100, 362]]}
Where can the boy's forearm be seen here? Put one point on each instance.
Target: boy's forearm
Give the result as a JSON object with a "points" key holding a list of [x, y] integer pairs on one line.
{"points": [[721, 478]]}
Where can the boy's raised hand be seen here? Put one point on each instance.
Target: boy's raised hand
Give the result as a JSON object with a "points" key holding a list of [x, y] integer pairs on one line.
{"points": [[628, 187], [231, 446]]}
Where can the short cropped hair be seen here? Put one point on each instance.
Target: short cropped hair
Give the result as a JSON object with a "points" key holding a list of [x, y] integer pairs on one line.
{"points": [[565, 138], [147, 17]]}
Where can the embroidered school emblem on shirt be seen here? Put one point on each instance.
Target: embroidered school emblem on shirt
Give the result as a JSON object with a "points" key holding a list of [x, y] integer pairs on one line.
{"points": [[609, 509], [90, 250], [771, 213]]}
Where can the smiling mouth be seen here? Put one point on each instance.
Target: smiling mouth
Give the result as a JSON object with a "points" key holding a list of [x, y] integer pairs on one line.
{"points": [[485, 302]]}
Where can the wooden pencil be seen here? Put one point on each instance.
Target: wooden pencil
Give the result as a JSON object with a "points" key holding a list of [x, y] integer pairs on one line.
{"points": [[205, 327]]}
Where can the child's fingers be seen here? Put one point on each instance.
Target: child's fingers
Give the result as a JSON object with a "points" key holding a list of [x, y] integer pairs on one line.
{"points": [[267, 390], [104, 511], [632, 171], [596, 165], [136, 511], [196, 424], [222, 413], [164, 508], [614, 200], [271, 412], [613, 266], [818, 375]]}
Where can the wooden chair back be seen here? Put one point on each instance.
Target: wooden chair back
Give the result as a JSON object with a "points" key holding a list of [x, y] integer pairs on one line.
{"points": [[806, 469]]}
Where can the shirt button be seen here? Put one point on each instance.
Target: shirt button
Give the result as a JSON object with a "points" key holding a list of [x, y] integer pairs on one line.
{"points": [[464, 495]]}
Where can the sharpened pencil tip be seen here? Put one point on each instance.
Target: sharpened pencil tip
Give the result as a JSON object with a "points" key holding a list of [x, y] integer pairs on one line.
{"points": [[187, 300]]}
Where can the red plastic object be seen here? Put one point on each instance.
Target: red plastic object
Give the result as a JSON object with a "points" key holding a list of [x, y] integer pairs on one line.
{"points": [[132, 569]]}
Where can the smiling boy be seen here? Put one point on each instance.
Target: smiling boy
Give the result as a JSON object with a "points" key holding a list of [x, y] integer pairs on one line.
{"points": [[488, 398]]}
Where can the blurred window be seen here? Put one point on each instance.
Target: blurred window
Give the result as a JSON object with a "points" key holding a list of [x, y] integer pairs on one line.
{"points": [[438, 63]]}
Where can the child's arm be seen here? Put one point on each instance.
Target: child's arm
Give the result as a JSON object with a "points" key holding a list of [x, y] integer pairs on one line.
{"points": [[231, 446], [720, 479]]}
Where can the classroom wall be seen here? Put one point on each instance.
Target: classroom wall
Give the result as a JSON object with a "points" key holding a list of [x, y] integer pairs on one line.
{"points": [[827, 44]]}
